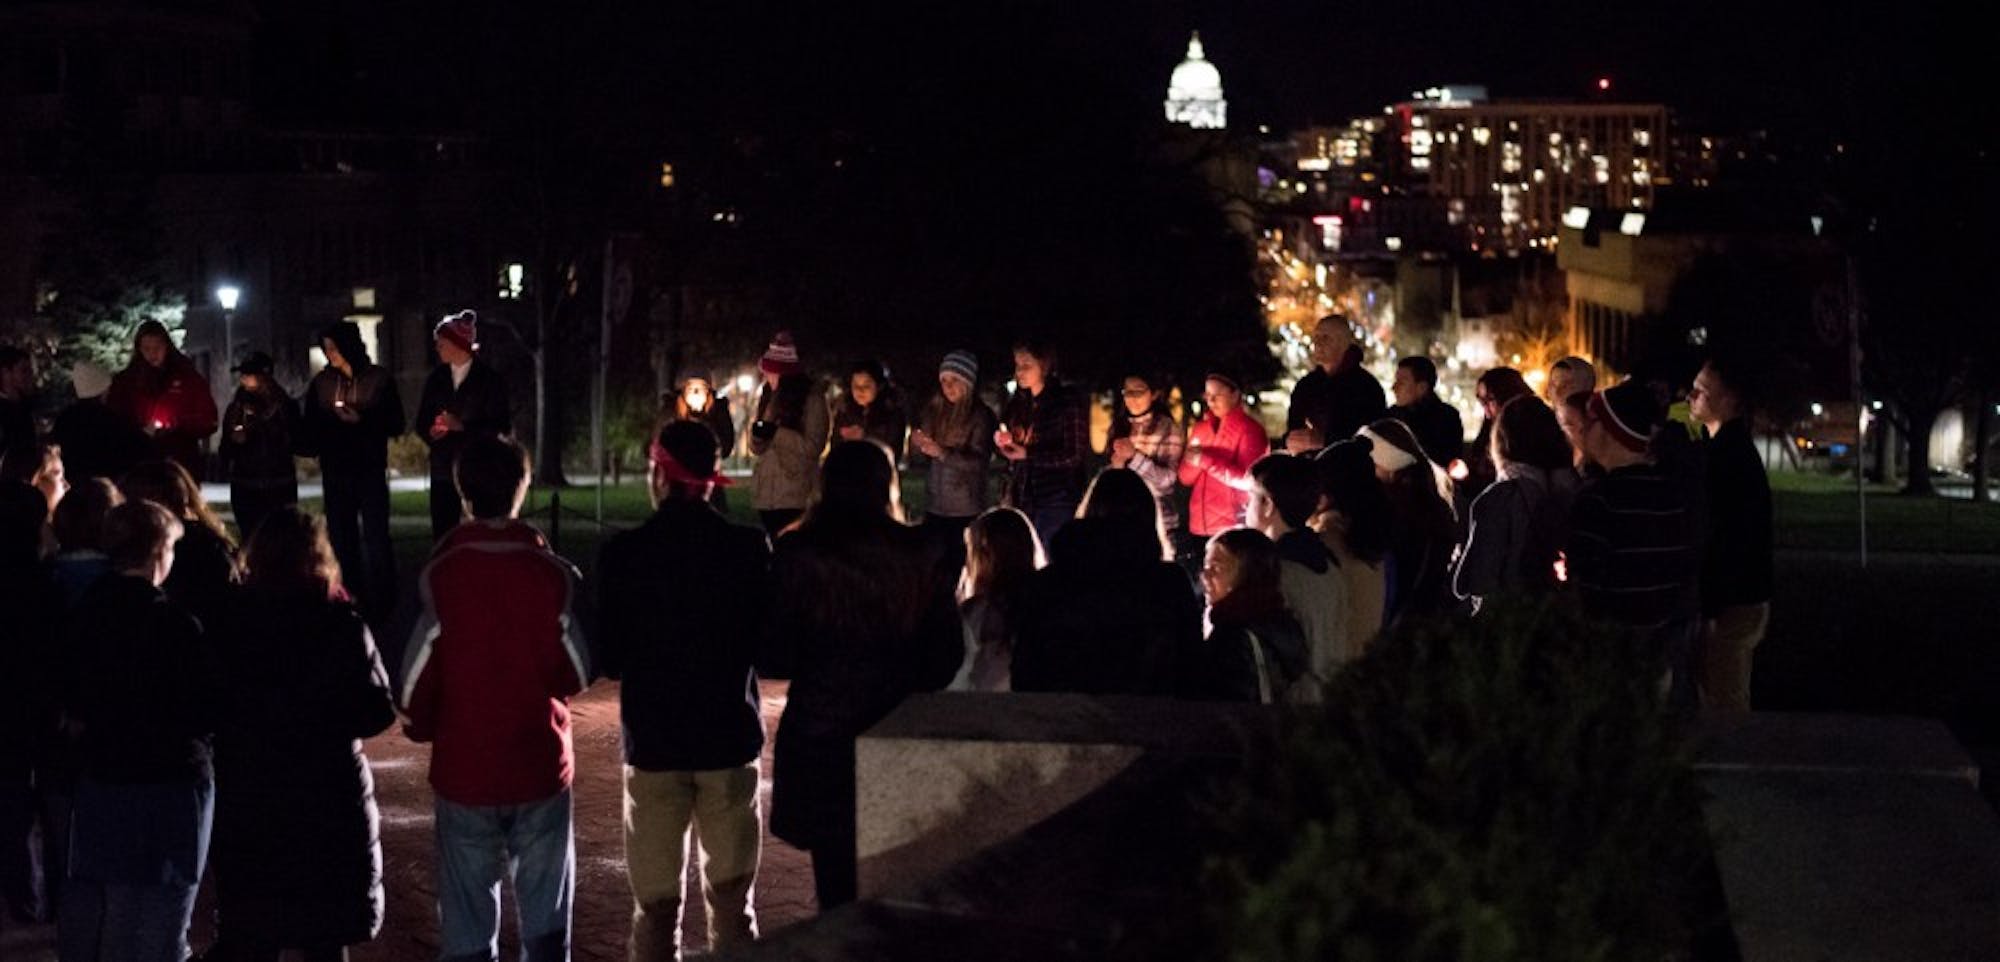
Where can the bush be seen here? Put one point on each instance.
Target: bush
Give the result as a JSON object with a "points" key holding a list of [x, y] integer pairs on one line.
{"points": [[1507, 788]]}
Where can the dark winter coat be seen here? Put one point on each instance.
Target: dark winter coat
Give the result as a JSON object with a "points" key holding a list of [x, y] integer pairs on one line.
{"points": [[1054, 428], [1340, 403], [481, 404], [360, 445], [297, 849], [1736, 556], [33, 607], [884, 421], [1438, 427], [97, 442], [1106, 617], [258, 433], [673, 596], [957, 477], [861, 617], [173, 401], [1255, 651], [140, 679]]}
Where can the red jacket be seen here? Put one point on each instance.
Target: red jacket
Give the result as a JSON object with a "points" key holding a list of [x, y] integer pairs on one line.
{"points": [[1220, 473], [492, 663], [172, 403]]}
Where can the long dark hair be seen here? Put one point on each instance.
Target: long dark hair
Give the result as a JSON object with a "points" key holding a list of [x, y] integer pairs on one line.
{"points": [[170, 486], [1128, 512], [1121, 419], [1527, 432], [289, 553], [346, 335], [857, 486], [1001, 551]]}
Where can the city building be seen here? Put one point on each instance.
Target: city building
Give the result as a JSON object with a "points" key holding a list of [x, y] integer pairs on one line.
{"points": [[1194, 93]]}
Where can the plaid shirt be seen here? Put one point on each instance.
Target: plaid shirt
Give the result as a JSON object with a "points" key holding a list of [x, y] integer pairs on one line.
{"points": [[1157, 444], [1051, 426]]}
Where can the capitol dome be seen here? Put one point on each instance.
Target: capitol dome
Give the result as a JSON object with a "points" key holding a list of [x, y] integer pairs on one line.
{"points": [[1194, 93]]}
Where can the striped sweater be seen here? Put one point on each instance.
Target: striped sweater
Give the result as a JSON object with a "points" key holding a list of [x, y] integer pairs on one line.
{"points": [[1631, 549]]}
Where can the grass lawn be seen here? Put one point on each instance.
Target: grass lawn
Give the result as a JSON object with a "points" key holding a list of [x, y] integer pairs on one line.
{"points": [[1819, 512]]}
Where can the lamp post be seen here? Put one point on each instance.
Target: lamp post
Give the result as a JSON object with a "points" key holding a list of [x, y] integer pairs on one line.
{"points": [[228, 295]]}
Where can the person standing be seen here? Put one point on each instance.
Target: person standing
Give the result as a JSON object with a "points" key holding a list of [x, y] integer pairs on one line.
{"points": [[1356, 526], [169, 400], [96, 441], [955, 438], [463, 398], [1001, 555], [1423, 528], [351, 413], [1255, 651], [1517, 523], [205, 570], [1493, 390], [140, 688], [29, 883], [670, 631], [871, 408], [1146, 440], [258, 433], [861, 616], [1631, 555], [1111, 614], [1221, 447], [1046, 440], [1736, 555], [1571, 375], [1282, 504], [1436, 424], [786, 437], [302, 685], [487, 679], [1337, 396], [697, 401]]}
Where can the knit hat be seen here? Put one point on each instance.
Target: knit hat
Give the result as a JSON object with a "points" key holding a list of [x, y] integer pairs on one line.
{"points": [[782, 357], [91, 380], [961, 364], [1629, 412], [1396, 446], [461, 329], [256, 362]]}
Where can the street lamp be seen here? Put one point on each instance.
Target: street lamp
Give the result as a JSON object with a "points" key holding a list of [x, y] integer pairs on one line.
{"points": [[227, 295]]}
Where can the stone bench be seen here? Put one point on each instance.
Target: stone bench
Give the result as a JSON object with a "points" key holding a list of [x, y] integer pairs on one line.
{"points": [[1851, 838]]}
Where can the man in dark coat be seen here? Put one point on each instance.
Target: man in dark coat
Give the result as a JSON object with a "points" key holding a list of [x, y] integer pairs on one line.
{"points": [[1437, 425], [256, 449], [673, 594], [1338, 396], [463, 397], [351, 413], [1736, 558]]}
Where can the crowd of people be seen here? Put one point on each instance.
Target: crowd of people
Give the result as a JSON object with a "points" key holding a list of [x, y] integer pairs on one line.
{"points": [[184, 702]]}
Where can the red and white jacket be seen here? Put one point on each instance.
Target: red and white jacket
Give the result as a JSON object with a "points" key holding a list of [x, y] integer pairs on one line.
{"points": [[1216, 465], [492, 663]]}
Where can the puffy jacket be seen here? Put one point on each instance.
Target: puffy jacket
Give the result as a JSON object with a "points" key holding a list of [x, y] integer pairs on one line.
{"points": [[492, 663], [1216, 465]]}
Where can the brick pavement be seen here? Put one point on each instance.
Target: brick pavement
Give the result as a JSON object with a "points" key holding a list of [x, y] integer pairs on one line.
{"points": [[409, 934]]}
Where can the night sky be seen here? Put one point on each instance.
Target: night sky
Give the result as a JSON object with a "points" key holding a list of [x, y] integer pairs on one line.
{"points": [[1792, 65]]}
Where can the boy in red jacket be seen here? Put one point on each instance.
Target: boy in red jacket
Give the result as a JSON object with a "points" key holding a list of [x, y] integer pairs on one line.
{"points": [[492, 664]]}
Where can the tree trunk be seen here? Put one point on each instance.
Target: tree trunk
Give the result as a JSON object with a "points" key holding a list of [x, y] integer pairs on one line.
{"points": [[1919, 446], [548, 403], [1982, 444]]}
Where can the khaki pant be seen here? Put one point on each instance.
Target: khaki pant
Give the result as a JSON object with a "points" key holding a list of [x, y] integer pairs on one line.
{"points": [[1727, 644], [721, 808]]}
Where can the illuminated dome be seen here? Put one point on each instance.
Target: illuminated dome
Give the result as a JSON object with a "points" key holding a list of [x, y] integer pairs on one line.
{"points": [[1194, 94]]}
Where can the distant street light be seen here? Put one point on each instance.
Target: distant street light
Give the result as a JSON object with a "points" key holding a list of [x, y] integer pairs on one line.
{"points": [[228, 295]]}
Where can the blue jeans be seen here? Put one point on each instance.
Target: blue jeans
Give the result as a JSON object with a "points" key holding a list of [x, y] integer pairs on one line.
{"points": [[137, 853], [480, 844]]}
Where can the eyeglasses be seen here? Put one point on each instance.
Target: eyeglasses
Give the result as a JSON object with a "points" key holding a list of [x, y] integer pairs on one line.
{"points": [[1139, 393]]}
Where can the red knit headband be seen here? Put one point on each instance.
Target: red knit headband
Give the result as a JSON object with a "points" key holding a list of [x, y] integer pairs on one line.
{"points": [[678, 473]]}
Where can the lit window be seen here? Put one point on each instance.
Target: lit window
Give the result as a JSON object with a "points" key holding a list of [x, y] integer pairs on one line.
{"points": [[1482, 135], [666, 175], [1642, 137]]}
